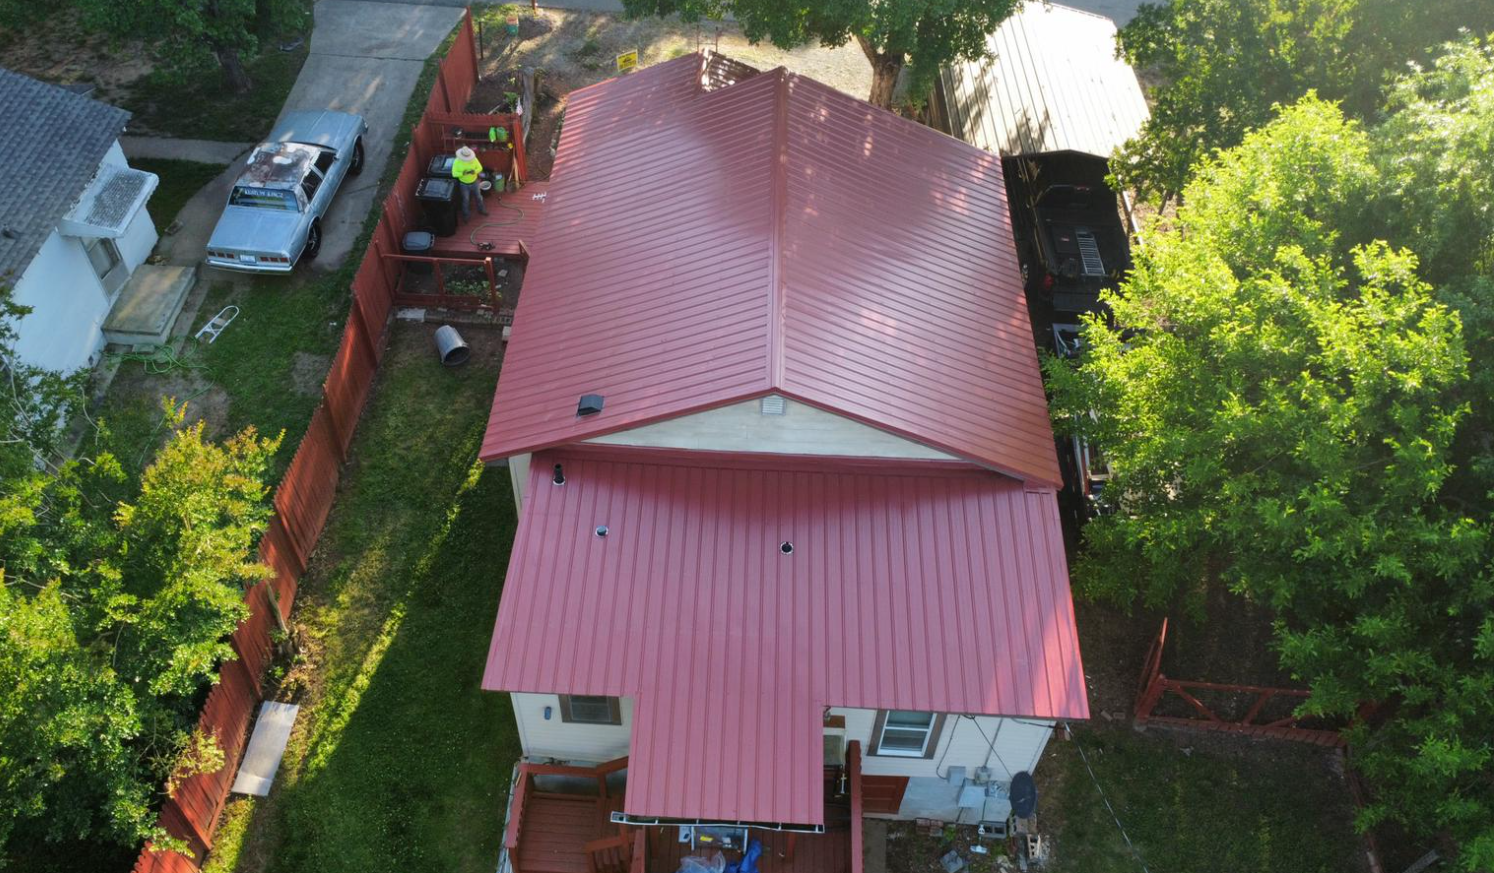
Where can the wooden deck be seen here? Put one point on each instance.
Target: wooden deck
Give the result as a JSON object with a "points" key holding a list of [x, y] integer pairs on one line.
{"points": [[549, 831], [829, 852], [509, 227], [556, 826]]}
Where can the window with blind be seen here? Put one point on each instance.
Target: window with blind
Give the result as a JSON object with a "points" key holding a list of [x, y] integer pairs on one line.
{"points": [[590, 709]]}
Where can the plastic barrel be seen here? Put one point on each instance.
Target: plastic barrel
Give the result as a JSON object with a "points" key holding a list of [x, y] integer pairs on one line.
{"points": [[451, 347]]}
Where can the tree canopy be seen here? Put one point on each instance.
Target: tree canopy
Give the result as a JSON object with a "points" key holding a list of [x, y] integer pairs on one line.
{"points": [[922, 34], [1223, 64], [116, 601], [188, 36], [1289, 406]]}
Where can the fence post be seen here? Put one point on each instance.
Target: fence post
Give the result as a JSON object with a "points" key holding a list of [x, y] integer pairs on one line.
{"points": [[492, 283], [249, 675]]}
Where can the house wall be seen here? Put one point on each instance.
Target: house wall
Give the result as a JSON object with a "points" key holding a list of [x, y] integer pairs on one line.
{"points": [[518, 476], [553, 738], [63, 332], [140, 238], [1006, 745], [742, 427], [801, 430], [1018, 745]]}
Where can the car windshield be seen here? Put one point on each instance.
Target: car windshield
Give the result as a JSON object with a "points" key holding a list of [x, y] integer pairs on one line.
{"points": [[264, 198]]}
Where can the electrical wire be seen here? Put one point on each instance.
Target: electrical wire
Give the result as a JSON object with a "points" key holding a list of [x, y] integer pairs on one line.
{"points": [[991, 745], [1096, 780]]}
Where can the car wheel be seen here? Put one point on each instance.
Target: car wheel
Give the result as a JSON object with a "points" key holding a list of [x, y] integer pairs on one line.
{"points": [[313, 241], [356, 166]]}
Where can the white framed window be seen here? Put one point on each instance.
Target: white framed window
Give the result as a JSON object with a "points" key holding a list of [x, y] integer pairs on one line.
{"points": [[900, 733], [590, 709], [107, 263]]}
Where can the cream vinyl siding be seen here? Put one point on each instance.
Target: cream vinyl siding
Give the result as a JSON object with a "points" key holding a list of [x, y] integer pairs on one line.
{"points": [[518, 476], [569, 741], [800, 429], [1019, 744]]}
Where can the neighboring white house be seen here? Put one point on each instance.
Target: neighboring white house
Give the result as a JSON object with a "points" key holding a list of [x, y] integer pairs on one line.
{"points": [[73, 222]]}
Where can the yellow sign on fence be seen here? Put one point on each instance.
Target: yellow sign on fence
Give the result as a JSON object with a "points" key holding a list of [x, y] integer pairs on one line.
{"points": [[627, 61]]}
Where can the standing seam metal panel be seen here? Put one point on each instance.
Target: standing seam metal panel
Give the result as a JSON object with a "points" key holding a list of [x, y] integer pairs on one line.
{"points": [[946, 590], [702, 248], [1051, 82]]}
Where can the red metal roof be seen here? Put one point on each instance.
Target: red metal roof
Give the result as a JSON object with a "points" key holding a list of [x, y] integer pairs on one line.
{"points": [[932, 587], [703, 247]]}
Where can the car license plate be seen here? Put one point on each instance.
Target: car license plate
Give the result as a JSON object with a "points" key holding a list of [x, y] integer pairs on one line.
{"points": [[249, 259]]}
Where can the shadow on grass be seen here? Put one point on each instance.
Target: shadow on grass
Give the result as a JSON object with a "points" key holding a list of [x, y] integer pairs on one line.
{"points": [[400, 761], [1194, 803]]}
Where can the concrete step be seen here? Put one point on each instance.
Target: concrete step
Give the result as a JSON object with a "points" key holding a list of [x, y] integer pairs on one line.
{"points": [[149, 304]]}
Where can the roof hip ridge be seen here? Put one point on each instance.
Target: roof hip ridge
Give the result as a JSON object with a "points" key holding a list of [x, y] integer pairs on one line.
{"points": [[778, 303]]}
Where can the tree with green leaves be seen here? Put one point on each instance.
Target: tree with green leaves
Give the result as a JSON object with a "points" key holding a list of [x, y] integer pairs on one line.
{"points": [[116, 603], [1281, 396], [1222, 64], [922, 35], [189, 36]]}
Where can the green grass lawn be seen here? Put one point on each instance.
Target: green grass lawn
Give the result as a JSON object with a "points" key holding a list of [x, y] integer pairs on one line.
{"points": [[399, 761], [179, 181], [1255, 807], [265, 370], [202, 107]]}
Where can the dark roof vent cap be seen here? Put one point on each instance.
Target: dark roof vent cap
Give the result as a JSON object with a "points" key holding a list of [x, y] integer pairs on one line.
{"points": [[590, 404]]}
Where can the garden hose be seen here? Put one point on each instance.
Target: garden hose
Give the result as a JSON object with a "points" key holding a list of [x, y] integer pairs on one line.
{"points": [[472, 237], [162, 361]]}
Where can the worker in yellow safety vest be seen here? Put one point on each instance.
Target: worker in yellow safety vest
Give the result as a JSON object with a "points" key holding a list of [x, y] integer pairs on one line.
{"points": [[468, 170]]}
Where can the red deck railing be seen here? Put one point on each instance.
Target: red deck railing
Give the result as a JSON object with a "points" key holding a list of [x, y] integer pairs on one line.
{"points": [[858, 809], [552, 831], [1154, 686]]}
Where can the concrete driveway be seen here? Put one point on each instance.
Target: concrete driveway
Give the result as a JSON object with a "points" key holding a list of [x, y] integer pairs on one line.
{"points": [[365, 58]]}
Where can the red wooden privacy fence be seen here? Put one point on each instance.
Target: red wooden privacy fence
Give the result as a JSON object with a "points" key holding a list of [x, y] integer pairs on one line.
{"points": [[1257, 720], [304, 497]]}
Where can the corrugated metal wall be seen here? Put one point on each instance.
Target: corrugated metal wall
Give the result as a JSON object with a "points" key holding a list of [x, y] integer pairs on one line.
{"points": [[304, 497]]}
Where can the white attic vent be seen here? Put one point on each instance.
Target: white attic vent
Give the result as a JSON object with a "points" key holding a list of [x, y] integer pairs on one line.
{"points": [[773, 404]]}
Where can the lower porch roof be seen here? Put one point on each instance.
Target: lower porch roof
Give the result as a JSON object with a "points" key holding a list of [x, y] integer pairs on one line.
{"points": [[735, 597]]}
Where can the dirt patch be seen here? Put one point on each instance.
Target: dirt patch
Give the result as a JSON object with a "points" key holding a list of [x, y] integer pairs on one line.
{"points": [[911, 851], [571, 49], [308, 372], [55, 49]]}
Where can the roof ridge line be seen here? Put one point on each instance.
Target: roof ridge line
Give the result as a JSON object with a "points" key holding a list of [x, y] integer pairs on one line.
{"points": [[779, 206]]}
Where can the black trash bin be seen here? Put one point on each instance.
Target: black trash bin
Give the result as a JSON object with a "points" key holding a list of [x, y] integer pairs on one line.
{"points": [[440, 166], [438, 201], [419, 242]]}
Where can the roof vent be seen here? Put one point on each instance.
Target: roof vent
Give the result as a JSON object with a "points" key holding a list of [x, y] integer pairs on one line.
{"points": [[786, 547], [590, 404], [773, 404], [601, 530], [559, 477]]}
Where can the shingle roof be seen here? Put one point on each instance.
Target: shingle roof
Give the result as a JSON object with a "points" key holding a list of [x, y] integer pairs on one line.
{"points": [[704, 247], [50, 147]]}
